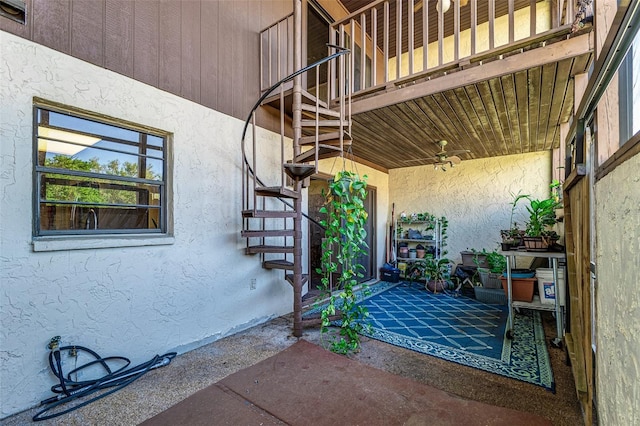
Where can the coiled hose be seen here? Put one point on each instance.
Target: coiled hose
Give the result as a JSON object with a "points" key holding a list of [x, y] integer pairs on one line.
{"points": [[68, 390]]}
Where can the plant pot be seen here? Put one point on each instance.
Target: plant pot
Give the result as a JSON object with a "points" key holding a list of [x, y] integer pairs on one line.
{"points": [[521, 288], [436, 287], [535, 244], [470, 258], [538, 243], [489, 295], [489, 279]]}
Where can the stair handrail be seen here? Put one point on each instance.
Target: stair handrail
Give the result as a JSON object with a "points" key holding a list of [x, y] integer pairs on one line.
{"points": [[340, 51]]}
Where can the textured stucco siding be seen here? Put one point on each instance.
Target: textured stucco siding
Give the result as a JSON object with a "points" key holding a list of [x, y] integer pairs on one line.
{"points": [[474, 196], [128, 301], [618, 295]]}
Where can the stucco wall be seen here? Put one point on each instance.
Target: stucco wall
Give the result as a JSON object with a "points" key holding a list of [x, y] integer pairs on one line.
{"points": [[128, 301], [474, 196], [618, 295]]}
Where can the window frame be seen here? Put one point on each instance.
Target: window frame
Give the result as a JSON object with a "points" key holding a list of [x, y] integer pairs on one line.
{"points": [[47, 240]]}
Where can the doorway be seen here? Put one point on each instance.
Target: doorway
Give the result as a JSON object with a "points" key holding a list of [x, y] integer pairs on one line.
{"points": [[317, 187]]}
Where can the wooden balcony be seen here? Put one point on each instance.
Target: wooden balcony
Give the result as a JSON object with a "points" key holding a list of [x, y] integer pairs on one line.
{"points": [[493, 77]]}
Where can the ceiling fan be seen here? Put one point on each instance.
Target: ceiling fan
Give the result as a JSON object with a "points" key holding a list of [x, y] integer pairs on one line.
{"points": [[443, 158]]}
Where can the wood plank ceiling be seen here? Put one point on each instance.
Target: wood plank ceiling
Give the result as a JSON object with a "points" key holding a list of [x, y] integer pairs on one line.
{"points": [[516, 113]]}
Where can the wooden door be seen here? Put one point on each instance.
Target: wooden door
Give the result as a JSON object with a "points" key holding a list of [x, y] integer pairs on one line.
{"points": [[579, 315]]}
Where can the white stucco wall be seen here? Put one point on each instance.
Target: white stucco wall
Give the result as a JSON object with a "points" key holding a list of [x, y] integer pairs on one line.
{"points": [[617, 198], [474, 196], [129, 301]]}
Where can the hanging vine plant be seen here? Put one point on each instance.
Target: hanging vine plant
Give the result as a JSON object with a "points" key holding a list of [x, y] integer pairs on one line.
{"points": [[343, 245]]}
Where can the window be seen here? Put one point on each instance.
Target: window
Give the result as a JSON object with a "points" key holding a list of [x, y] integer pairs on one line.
{"points": [[96, 178], [629, 92]]}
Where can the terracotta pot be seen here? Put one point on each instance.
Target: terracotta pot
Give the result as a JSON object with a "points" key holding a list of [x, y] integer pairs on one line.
{"points": [[521, 288], [434, 287]]}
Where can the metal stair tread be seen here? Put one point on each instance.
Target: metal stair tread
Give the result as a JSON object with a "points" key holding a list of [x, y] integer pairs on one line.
{"points": [[326, 138], [276, 191], [311, 99], [268, 214], [323, 123], [324, 151], [299, 170], [264, 248], [277, 264], [256, 233], [312, 111], [289, 277]]}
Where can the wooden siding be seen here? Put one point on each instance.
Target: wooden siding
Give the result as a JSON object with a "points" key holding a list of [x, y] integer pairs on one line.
{"points": [[202, 50]]}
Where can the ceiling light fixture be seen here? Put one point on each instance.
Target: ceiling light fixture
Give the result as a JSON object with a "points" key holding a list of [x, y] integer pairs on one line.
{"points": [[446, 4]]}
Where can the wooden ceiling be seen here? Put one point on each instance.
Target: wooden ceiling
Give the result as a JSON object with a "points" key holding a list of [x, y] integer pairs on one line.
{"points": [[510, 105]]}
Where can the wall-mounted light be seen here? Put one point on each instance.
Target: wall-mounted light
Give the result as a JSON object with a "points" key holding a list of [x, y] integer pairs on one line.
{"points": [[13, 9]]}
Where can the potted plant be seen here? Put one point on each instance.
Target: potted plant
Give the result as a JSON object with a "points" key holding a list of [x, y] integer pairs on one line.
{"points": [[415, 271], [437, 273], [512, 237], [556, 194], [342, 246], [542, 216], [496, 264]]}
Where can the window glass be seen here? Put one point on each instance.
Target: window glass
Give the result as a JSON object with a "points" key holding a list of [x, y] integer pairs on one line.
{"points": [[96, 177], [629, 92], [635, 52]]}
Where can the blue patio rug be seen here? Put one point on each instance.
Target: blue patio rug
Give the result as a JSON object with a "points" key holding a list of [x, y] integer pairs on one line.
{"points": [[459, 329]]}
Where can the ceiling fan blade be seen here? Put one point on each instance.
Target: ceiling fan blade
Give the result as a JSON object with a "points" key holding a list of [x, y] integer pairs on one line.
{"points": [[454, 159]]}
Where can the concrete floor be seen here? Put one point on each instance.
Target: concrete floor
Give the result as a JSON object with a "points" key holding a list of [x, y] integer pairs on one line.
{"points": [[187, 373]]}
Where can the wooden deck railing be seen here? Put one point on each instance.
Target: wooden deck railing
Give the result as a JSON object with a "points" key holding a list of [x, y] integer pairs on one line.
{"points": [[276, 52], [388, 37]]}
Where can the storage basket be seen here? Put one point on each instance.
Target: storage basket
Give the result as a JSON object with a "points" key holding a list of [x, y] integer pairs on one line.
{"points": [[489, 279], [494, 296]]}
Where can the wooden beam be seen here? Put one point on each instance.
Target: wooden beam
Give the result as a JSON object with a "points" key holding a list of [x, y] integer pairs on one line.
{"points": [[523, 61]]}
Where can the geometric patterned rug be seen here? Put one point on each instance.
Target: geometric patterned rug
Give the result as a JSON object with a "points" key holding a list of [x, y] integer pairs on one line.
{"points": [[459, 329]]}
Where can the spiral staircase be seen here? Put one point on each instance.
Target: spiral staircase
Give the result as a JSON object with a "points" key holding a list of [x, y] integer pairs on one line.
{"points": [[272, 208]]}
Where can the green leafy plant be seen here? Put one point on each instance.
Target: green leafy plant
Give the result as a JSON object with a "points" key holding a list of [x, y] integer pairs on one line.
{"points": [[542, 216], [344, 243], [513, 235], [437, 273], [497, 262]]}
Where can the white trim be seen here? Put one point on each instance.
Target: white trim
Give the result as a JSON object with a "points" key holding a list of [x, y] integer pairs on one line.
{"points": [[80, 243]]}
